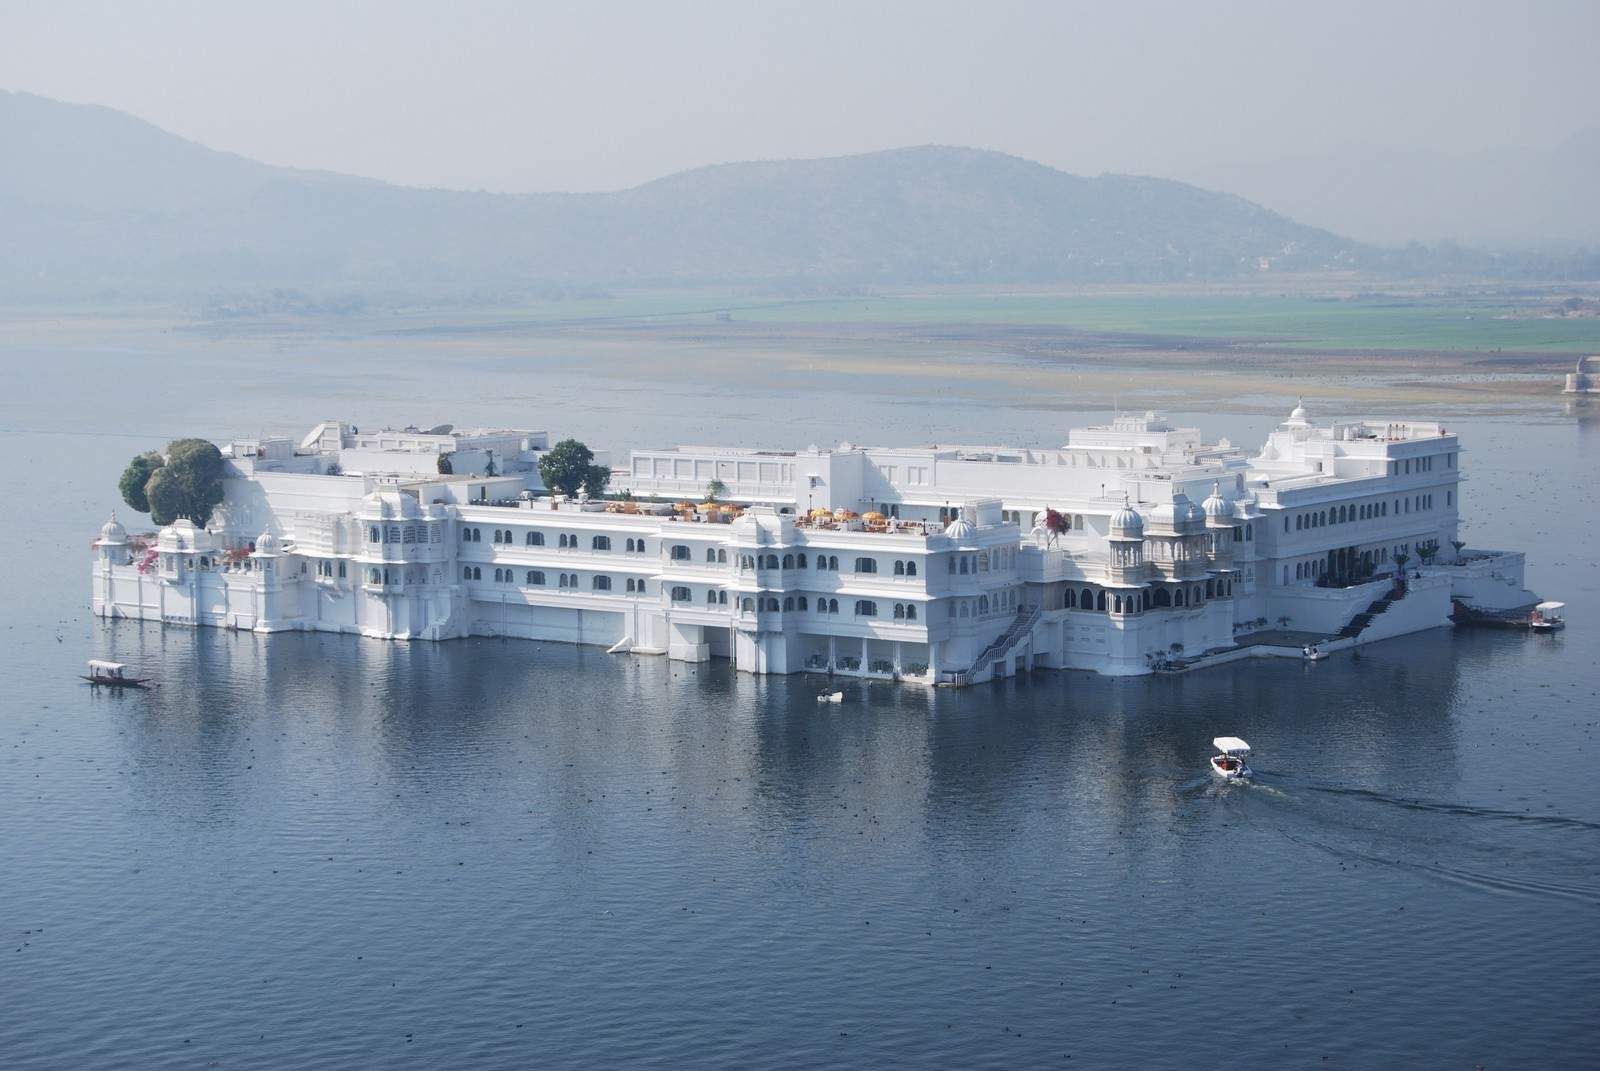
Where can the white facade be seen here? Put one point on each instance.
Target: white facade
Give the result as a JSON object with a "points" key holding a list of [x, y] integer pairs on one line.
{"points": [[1131, 546]]}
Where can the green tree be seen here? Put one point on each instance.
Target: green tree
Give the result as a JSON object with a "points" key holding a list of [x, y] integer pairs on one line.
{"points": [[715, 490], [444, 466], [569, 465], [135, 477], [188, 485]]}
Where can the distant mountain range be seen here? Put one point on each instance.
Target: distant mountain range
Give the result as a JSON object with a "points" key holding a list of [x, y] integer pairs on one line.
{"points": [[93, 200]]}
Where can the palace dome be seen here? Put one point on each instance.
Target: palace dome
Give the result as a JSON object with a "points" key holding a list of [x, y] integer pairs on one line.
{"points": [[182, 534], [266, 543], [1127, 522], [1215, 506], [959, 530], [113, 532], [1178, 512]]}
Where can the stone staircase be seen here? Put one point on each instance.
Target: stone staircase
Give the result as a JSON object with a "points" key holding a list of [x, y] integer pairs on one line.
{"points": [[1359, 623], [1027, 617]]}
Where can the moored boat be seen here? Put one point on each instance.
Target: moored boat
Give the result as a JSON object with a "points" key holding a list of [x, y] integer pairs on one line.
{"points": [[1546, 618]]}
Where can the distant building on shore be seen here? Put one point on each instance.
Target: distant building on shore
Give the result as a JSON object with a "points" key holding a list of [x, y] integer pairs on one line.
{"points": [[1583, 381]]}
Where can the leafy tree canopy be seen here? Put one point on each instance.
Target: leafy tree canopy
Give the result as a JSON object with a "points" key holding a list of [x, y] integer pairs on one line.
{"points": [[188, 485], [134, 478], [569, 465]]}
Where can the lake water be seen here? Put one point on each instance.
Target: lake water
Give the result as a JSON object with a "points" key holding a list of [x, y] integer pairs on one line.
{"points": [[315, 851]]}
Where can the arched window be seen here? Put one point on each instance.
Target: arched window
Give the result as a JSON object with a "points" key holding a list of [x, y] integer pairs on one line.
{"points": [[600, 542], [1298, 522], [535, 578], [772, 561], [722, 598], [800, 560], [747, 606], [534, 539], [1178, 599], [497, 535], [983, 561], [866, 608], [899, 569], [629, 545], [711, 598], [711, 555], [477, 572], [772, 605], [911, 611], [833, 606], [899, 611], [1070, 599], [680, 553], [833, 562], [963, 565], [680, 594], [866, 565], [800, 602], [1087, 601], [788, 602], [788, 561], [374, 536], [1100, 602], [911, 568], [722, 557], [983, 604], [466, 572], [601, 583], [498, 573], [563, 582], [964, 611]]}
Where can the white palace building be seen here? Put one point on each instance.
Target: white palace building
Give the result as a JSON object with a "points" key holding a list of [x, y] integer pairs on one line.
{"points": [[1134, 546]]}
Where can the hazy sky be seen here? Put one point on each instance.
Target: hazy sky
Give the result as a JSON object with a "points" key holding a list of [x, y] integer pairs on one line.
{"points": [[524, 96]]}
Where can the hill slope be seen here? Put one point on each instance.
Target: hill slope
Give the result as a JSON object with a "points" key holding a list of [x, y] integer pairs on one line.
{"points": [[91, 197]]}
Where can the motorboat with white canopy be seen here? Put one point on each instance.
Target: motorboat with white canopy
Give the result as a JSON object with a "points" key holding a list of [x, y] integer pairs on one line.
{"points": [[1546, 617], [112, 675], [1229, 763]]}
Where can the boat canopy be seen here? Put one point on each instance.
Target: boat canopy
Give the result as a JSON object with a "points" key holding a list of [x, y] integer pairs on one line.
{"points": [[1549, 607], [1231, 745], [113, 668]]}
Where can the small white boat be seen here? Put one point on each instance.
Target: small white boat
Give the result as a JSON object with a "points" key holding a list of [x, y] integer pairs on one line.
{"points": [[1545, 617], [112, 675], [1228, 763], [1312, 653], [831, 697]]}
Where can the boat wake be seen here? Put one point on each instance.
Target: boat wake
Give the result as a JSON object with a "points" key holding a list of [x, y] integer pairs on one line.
{"points": [[1463, 876], [1440, 807]]}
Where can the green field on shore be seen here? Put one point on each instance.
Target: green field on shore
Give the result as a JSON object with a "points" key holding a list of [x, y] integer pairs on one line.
{"points": [[1443, 325]]}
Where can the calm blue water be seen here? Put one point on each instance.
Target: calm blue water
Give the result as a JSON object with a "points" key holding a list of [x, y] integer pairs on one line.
{"points": [[319, 852]]}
